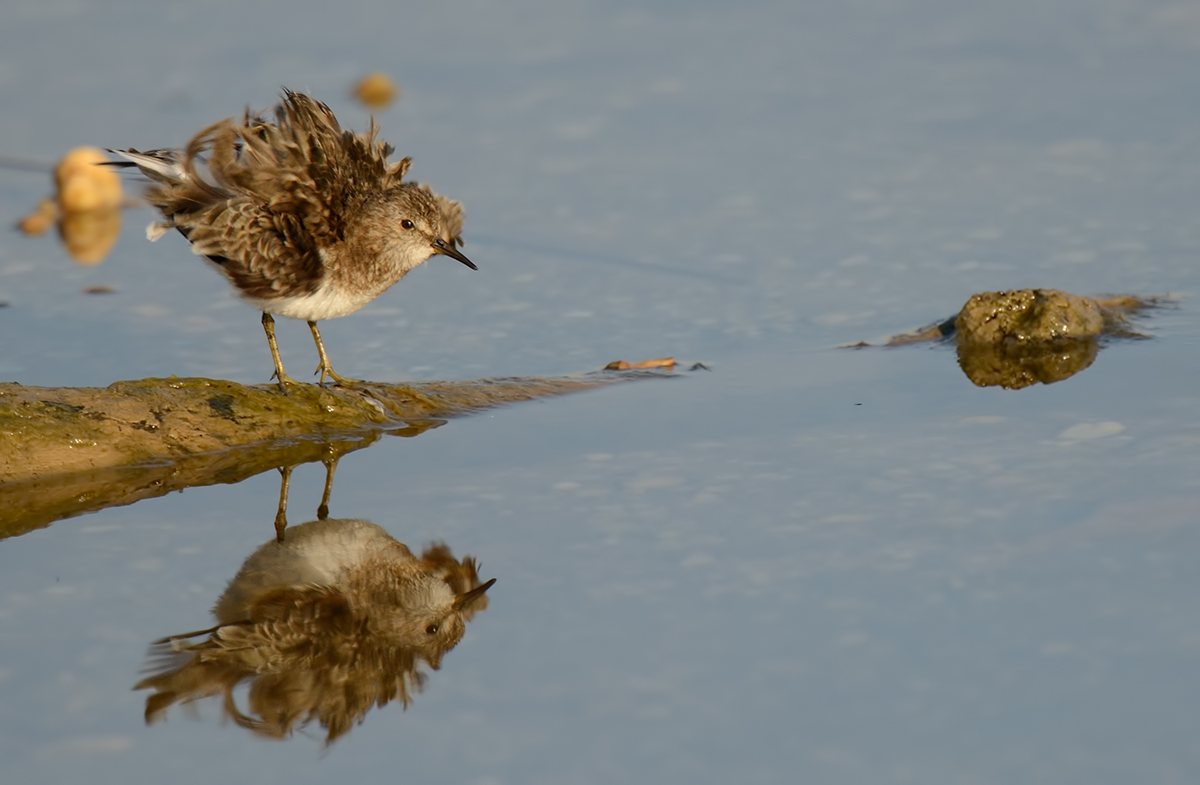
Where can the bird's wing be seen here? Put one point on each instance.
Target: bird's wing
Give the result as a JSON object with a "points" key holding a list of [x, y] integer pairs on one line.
{"points": [[261, 197]]}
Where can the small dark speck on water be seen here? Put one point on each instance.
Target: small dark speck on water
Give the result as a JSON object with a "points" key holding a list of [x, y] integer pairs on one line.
{"points": [[99, 289]]}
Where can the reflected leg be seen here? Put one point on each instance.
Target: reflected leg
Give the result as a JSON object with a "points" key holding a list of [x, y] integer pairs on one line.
{"points": [[281, 513], [330, 468]]}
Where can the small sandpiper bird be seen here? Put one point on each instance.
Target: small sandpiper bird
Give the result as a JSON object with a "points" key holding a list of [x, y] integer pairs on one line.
{"points": [[304, 219], [325, 625]]}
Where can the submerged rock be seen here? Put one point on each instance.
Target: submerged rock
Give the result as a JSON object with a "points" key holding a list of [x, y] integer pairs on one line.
{"points": [[1028, 315], [1021, 337]]}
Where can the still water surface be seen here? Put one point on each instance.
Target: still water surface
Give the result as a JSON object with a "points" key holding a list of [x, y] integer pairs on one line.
{"points": [[804, 564]]}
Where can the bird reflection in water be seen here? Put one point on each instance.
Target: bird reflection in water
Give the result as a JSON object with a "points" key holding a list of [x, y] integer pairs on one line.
{"points": [[330, 618]]}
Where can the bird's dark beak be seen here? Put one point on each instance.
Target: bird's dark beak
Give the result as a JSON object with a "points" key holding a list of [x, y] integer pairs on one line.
{"points": [[469, 598], [448, 249]]}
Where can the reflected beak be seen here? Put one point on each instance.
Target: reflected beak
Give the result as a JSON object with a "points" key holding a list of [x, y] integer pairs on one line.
{"points": [[469, 598], [448, 249]]}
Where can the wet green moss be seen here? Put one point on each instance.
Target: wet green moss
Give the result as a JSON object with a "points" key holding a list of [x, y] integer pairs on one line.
{"points": [[51, 431]]}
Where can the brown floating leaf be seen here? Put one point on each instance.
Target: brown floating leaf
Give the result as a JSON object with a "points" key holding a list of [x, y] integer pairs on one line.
{"points": [[621, 365]]}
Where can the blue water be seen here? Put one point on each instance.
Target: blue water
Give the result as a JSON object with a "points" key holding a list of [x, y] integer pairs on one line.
{"points": [[804, 564]]}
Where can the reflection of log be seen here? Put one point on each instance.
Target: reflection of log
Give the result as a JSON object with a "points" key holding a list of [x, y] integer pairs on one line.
{"points": [[65, 451], [35, 503]]}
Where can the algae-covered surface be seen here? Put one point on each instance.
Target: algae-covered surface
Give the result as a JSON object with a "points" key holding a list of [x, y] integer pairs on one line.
{"points": [[795, 564], [1014, 339], [47, 432], [67, 451]]}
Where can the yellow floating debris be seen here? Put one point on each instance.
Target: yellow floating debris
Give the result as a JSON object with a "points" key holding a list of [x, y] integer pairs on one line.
{"points": [[89, 235], [41, 219], [82, 185], [86, 206], [376, 91]]}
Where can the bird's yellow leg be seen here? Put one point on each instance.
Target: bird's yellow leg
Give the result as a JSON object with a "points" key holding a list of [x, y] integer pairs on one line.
{"points": [[324, 368], [269, 328]]}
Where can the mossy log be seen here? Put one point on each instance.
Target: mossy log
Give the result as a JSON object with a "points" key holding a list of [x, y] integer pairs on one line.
{"points": [[66, 451]]}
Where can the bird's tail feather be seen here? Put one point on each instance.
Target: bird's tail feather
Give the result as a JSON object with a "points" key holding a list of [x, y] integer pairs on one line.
{"points": [[161, 165]]}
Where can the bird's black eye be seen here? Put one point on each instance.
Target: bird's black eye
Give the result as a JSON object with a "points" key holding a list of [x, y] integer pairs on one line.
{"points": [[407, 224], [432, 628]]}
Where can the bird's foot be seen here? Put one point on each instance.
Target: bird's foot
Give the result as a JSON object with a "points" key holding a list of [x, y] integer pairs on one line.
{"points": [[338, 380], [284, 380]]}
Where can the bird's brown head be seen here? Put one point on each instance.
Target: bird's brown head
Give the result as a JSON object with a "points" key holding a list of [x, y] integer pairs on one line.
{"points": [[409, 224]]}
